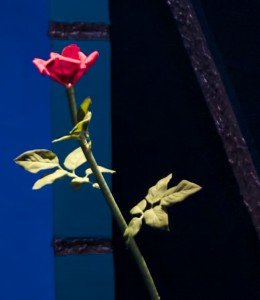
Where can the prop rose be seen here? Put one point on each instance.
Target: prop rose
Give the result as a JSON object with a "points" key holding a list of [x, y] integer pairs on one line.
{"points": [[68, 67]]}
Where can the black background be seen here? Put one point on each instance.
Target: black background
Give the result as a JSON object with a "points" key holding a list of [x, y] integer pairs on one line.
{"points": [[161, 125]]}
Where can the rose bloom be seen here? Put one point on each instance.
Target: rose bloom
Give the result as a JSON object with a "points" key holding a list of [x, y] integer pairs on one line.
{"points": [[68, 67]]}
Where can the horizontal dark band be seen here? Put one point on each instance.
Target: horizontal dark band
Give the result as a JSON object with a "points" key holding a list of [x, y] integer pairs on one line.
{"points": [[78, 31], [82, 246]]}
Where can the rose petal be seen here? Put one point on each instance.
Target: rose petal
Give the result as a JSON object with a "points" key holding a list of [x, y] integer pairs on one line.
{"points": [[54, 55], [71, 51], [91, 59], [41, 65], [64, 70]]}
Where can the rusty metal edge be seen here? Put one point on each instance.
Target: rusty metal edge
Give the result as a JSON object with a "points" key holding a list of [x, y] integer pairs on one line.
{"points": [[77, 246], [219, 105], [78, 31]]}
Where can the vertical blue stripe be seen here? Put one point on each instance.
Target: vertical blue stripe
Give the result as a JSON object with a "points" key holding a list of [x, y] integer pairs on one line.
{"points": [[83, 213]]}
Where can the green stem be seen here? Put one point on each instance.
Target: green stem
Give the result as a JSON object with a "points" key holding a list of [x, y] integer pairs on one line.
{"points": [[72, 104], [132, 246]]}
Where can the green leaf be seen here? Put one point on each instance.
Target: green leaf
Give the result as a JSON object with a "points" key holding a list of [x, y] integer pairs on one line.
{"points": [[83, 109], [75, 159], [156, 192], [133, 228], [157, 217], [105, 170], [65, 137], [76, 130], [37, 160], [48, 179], [81, 126], [78, 181], [179, 192], [101, 169], [139, 208]]}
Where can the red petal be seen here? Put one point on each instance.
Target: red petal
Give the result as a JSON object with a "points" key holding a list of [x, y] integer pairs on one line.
{"points": [[63, 70], [71, 51], [41, 65], [91, 59]]}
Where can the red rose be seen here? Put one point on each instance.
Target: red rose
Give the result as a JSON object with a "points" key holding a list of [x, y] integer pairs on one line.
{"points": [[68, 67]]}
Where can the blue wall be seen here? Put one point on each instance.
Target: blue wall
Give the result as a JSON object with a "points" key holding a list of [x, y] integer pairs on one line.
{"points": [[26, 256], [29, 120]]}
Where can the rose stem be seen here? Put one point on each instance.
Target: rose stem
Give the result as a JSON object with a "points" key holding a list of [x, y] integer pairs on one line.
{"points": [[132, 246]]}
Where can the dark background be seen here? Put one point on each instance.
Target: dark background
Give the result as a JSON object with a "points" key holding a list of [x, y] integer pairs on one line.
{"points": [[161, 125]]}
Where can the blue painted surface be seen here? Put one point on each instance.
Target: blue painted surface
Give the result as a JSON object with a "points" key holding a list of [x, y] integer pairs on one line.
{"points": [[79, 10], [85, 277], [26, 257], [84, 212]]}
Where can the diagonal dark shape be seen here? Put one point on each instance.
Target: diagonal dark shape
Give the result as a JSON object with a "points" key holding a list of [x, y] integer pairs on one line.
{"points": [[71, 246], [219, 105]]}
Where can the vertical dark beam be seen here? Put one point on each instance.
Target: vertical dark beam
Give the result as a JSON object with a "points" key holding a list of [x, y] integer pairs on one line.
{"points": [[219, 105]]}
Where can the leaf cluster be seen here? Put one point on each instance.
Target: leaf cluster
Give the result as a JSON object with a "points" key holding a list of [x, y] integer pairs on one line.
{"points": [[37, 160], [42, 159], [152, 210]]}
